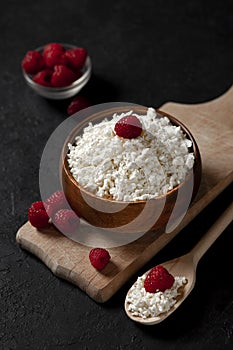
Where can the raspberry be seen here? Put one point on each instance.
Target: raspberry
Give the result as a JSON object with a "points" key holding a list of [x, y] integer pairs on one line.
{"points": [[37, 205], [53, 54], [76, 58], [62, 76], [37, 215], [78, 103], [53, 46], [43, 77], [66, 221], [33, 62], [158, 279], [55, 202], [99, 258], [128, 127]]}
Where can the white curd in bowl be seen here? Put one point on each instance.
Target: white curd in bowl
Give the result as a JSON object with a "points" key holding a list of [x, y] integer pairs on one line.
{"points": [[131, 169]]}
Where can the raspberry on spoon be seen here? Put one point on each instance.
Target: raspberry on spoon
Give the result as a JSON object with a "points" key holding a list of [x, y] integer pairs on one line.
{"points": [[158, 279]]}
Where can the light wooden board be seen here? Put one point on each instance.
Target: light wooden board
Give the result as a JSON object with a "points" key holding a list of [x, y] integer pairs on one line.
{"points": [[211, 124]]}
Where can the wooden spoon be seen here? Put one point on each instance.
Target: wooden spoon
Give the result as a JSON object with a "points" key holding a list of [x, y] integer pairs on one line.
{"points": [[186, 266]]}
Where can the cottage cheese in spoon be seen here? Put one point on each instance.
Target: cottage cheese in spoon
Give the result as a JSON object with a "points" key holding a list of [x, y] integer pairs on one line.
{"points": [[144, 304]]}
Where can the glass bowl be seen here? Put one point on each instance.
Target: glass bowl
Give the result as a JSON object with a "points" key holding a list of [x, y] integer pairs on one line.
{"points": [[57, 93]]}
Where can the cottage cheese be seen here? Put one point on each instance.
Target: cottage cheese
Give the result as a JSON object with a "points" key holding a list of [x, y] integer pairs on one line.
{"points": [[144, 304], [131, 169]]}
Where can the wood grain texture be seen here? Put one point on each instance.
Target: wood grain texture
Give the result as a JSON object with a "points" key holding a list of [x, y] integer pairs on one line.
{"points": [[211, 124]]}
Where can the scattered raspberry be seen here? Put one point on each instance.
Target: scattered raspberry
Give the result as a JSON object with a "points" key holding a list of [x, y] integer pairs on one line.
{"points": [[43, 77], [33, 62], [128, 127], [62, 76], [78, 103], [55, 202], [37, 215], [76, 58], [66, 221], [53, 54], [37, 205], [158, 279], [99, 258]]}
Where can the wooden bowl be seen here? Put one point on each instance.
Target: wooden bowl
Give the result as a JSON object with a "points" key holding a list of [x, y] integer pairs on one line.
{"points": [[131, 217]]}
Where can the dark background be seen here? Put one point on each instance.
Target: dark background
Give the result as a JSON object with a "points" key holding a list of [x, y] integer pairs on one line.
{"points": [[145, 52]]}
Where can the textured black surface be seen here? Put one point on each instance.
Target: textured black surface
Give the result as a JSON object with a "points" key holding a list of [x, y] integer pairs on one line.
{"points": [[146, 52]]}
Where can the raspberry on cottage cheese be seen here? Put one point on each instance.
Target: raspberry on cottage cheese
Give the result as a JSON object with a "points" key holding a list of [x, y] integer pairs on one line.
{"points": [[134, 169], [144, 304]]}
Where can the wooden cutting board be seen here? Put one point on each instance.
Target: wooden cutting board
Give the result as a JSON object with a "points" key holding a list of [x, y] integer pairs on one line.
{"points": [[211, 124]]}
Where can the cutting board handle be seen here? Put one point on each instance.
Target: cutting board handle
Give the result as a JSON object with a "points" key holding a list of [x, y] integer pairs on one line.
{"points": [[221, 106]]}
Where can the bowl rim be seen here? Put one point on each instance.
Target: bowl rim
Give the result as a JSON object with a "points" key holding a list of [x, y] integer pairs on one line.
{"points": [[85, 76], [173, 120]]}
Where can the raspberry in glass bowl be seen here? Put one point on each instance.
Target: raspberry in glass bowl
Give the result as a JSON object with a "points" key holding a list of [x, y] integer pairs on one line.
{"points": [[57, 71]]}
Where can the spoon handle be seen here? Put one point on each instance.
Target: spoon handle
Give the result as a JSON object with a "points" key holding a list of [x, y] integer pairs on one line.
{"points": [[212, 234]]}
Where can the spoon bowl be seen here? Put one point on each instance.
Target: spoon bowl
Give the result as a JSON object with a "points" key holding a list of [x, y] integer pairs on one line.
{"points": [[186, 265], [182, 266]]}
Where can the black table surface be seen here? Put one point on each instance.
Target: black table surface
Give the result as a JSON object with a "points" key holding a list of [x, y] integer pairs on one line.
{"points": [[145, 52]]}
